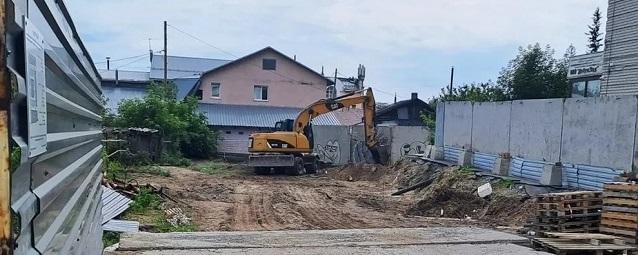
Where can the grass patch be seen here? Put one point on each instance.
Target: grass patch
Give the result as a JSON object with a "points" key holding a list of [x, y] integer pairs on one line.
{"points": [[152, 169], [144, 201], [213, 168], [110, 238], [504, 183], [466, 170]]}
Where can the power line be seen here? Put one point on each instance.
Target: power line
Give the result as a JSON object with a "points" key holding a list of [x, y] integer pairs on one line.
{"points": [[231, 54], [120, 59], [136, 60]]}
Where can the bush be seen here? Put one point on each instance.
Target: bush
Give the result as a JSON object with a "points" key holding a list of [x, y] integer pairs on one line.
{"points": [[178, 121]]}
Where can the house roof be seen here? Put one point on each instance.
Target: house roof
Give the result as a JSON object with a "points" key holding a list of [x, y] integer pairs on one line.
{"points": [[244, 58], [123, 75], [183, 67], [255, 116], [403, 103]]}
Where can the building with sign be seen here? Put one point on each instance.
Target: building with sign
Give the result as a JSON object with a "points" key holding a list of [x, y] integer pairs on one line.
{"points": [[614, 71], [585, 73]]}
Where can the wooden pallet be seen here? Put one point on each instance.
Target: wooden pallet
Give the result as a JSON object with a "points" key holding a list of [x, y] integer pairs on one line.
{"points": [[620, 210], [575, 245]]}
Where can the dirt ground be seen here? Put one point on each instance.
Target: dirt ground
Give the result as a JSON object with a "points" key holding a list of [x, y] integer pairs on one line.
{"points": [[341, 199]]}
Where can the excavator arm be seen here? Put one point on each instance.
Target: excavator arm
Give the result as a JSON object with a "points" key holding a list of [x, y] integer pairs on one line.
{"points": [[328, 105]]}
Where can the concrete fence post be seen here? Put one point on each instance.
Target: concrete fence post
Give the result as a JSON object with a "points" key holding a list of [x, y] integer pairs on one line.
{"points": [[465, 158], [552, 174], [502, 164]]}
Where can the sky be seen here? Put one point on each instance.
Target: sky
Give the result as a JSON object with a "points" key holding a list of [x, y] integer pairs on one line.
{"points": [[406, 45]]}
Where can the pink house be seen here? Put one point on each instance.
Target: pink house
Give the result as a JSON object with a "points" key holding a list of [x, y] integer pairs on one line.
{"points": [[252, 93], [264, 78]]}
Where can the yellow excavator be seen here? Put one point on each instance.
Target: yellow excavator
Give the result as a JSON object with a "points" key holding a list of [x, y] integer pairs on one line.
{"points": [[290, 148]]}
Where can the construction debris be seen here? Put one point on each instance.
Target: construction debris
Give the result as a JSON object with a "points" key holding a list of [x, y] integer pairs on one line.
{"points": [[568, 211], [177, 217], [620, 210]]}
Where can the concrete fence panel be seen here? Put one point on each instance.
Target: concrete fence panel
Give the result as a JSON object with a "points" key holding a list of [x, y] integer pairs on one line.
{"points": [[491, 127], [332, 143], [535, 132], [599, 131], [457, 131], [407, 140]]}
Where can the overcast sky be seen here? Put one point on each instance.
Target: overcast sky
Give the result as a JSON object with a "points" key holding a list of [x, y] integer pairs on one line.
{"points": [[406, 45]]}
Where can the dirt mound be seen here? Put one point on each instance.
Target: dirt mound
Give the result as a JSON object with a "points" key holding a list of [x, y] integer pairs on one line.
{"points": [[362, 172], [453, 194]]}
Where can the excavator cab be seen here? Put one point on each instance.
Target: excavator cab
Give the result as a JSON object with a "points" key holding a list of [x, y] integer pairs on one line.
{"points": [[284, 125]]}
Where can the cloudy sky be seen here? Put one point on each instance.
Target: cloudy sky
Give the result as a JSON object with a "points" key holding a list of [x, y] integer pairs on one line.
{"points": [[406, 45]]}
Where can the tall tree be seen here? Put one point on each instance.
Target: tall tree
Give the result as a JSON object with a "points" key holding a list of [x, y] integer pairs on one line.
{"points": [[534, 74], [595, 36]]}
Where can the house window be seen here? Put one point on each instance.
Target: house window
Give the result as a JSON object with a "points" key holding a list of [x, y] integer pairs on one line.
{"points": [[261, 93], [240, 132], [214, 89], [228, 132], [269, 64], [587, 88]]}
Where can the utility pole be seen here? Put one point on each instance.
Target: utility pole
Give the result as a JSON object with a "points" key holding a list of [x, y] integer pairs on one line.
{"points": [[165, 54], [451, 79], [108, 63]]}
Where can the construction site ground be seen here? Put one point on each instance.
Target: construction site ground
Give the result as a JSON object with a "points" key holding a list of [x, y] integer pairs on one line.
{"points": [[233, 198]]}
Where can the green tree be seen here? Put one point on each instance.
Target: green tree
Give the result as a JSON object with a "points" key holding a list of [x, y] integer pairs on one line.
{"points": [[534, 74], [178, 121], [594, 34]]}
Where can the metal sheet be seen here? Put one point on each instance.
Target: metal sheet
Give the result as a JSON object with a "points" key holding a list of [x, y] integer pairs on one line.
{"points": [[588, 177], [256, 116], [113, 204], [451, 153], [620, 65], [56, 195], [527, 169], [124, 226], [483, 161]]}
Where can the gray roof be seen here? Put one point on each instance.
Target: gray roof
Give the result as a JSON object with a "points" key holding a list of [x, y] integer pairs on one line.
{"points": [[123, 75], [183, 67], [184, 85], [256, 116], [114, 95]]}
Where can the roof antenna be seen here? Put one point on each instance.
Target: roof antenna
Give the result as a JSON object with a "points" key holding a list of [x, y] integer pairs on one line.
{"points": [[395, 97]]}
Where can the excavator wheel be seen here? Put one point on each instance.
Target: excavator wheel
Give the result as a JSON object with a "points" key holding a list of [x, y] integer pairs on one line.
{"points": [[298, 169], [312, 167]]}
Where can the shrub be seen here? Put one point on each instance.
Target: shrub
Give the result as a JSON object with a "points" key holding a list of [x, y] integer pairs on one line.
{"points": [[178, 121]]}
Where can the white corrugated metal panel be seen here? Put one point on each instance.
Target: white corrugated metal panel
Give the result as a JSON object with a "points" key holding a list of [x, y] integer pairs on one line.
{"points": [[588, 177], [56, 195], [124, 226], [451, 153], [113, 204], [620, 66], [483, 161], [527, 169]]}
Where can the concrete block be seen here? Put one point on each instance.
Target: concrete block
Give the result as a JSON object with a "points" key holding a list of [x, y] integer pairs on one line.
{"points": [[552, 175], [437, 153], [502, 165], [465, 158]]}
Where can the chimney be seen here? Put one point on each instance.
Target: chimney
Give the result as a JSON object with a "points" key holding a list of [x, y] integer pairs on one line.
{"points": [[108, 63], [415, 96]]}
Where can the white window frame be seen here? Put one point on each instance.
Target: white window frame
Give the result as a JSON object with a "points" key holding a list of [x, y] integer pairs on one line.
{"points": [[261, 95], [219, 90]]}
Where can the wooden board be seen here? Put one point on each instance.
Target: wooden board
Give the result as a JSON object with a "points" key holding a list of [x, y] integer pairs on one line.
{"points": [[621, 194], [620, 209], [621, 202], [580, 236], [563, 245], [619, 223], [617, 231], [620, 186], [620, 216]]}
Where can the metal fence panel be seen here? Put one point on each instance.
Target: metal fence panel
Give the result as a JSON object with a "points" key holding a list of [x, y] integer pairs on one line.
{"points": [[483, 161], [55, 195], [451, 153]]}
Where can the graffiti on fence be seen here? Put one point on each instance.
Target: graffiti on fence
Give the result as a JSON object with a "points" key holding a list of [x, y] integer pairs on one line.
{"points": [[412, 148], [330, 152]]}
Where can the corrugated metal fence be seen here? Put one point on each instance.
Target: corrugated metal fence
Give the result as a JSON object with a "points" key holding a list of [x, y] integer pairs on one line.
{"points": [[56, 124]]}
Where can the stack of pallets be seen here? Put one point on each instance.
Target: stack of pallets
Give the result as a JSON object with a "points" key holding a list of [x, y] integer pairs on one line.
{"points": [[579, 243], [620, 210], [568, 212]]}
